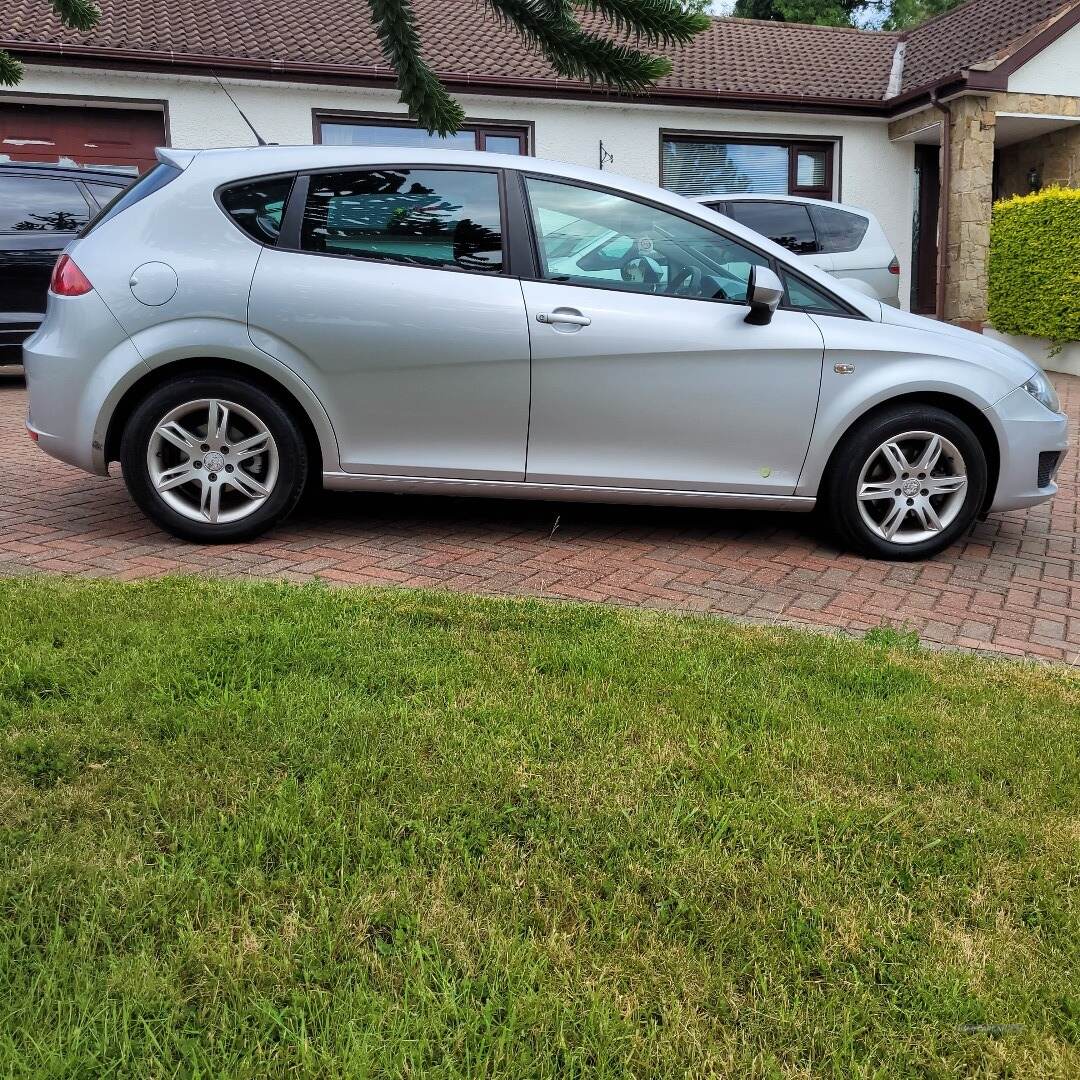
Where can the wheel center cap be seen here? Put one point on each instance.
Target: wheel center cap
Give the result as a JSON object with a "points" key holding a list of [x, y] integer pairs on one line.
{"points": [[911, 487], [214, 461]]}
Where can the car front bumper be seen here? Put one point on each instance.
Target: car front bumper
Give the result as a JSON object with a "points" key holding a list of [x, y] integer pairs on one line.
{"points": [[1026, 429]]}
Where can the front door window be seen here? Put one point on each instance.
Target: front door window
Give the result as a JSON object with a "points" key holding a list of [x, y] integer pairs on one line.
{"points": [[591, 237]]}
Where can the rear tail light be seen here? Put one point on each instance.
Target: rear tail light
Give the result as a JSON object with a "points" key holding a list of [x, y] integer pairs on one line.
{"points": [[68, 279], [894, 267]]}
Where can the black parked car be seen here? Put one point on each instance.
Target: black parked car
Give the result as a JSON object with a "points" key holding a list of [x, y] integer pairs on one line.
{"points": [[42, 207]]}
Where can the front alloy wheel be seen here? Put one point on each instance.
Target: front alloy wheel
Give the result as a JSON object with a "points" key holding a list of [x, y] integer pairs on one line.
{"points": [[213, 458], [912, 487], [905, 483]]}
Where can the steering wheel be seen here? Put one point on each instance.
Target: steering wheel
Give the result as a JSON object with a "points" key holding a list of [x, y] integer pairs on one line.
{"points": [[641, 269], [685, 282]]}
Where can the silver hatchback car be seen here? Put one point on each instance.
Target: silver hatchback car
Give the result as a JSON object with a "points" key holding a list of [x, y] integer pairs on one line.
{"points": [[240, 323]]}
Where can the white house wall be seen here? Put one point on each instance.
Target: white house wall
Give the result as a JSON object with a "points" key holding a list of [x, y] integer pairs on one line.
{"points": [[1055, 70], [874, 173]]}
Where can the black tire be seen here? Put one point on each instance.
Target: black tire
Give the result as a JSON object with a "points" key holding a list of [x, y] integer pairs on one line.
{"points": [[292, 457], [840, 487]]}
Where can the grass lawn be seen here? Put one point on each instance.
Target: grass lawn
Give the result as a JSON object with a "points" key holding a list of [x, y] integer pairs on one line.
{"points": [[269, 831]]}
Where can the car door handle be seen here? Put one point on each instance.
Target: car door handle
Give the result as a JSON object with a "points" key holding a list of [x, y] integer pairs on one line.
{"points": [[564, 315]]}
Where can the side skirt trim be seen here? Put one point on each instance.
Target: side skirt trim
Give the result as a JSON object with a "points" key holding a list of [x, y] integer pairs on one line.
{"points": [[500, 489]]}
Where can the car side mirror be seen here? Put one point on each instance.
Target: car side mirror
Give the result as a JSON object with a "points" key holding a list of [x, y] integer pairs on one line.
{"points": [[764, 292]]}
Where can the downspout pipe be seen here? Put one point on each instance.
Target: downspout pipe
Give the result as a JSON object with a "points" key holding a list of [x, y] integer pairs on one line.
{"points": [[943, 212]]}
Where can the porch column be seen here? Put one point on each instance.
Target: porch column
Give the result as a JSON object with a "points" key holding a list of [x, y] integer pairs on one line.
{"points": [[970, 203]]}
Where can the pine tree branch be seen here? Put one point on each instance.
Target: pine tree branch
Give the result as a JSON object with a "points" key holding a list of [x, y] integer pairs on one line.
{"points": [[78, 14], [555, 9], [576, 54], [427, 99], [657, 21], [11, 71]]}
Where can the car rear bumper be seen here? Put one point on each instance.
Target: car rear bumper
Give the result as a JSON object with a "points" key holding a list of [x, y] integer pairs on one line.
{"points": [[74, 366], [1026, 431]]}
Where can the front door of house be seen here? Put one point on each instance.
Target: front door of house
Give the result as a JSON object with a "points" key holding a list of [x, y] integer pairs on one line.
{"points": [[924, 276]]}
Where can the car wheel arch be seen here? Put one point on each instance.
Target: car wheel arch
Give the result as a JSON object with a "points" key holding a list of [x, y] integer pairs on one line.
{"points": [[959, 407], [318, 452]]}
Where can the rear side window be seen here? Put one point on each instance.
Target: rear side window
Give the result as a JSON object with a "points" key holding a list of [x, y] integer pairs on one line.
{"points": [[41, 204], [838, 230], [160, 175], [257, 206], [442, 218], [786, 224]]}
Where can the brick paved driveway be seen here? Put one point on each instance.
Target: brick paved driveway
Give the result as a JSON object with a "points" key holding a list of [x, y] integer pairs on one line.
{"points": [[1012, 587]]}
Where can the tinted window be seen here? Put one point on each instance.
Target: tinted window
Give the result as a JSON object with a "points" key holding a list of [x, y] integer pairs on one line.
{"points": [[41, 204], [589, 237], [258, 205], [837, 229], [432, 217], [800, 294], [786, 224], [160, 175]]}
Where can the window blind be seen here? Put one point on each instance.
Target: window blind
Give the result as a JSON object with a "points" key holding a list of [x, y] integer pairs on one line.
{"points": [[692, 167]]}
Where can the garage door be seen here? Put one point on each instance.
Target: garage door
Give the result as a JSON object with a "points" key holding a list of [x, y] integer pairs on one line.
{"points": [[123, 138]]}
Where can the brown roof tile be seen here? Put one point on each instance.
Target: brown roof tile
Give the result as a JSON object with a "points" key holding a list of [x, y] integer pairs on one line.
{"points": [[461, 39], [977, 31], [734, 57]]}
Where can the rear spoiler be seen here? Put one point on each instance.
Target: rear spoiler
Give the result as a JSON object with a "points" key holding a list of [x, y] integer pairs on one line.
{"points": [[179, 159]]}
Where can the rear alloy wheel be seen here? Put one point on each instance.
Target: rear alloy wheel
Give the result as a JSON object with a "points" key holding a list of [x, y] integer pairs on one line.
{"points": [[213, 459], [907, 483]]}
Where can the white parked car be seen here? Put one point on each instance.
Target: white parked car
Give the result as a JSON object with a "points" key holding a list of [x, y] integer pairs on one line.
{"points": [[843, 240]]}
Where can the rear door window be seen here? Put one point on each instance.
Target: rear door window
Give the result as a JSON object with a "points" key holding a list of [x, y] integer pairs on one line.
{"points": [[41, 204], [838, 230], [786, 224], [257, 206], [440, 218]]}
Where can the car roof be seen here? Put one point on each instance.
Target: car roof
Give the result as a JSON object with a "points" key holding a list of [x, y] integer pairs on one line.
{"points": [[806, 200], [90, 172]]}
